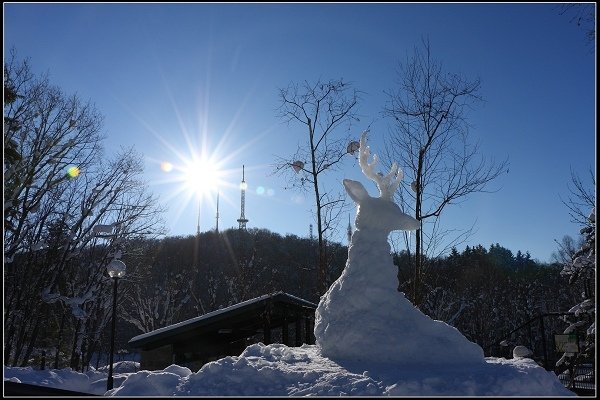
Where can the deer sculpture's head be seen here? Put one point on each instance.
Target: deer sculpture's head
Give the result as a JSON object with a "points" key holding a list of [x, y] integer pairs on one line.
{"points": [[378, 213]]}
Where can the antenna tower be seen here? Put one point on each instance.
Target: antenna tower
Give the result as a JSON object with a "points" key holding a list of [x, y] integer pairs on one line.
{"points": [[217, 226], [198, 228], [349, 230], [243, 220]]}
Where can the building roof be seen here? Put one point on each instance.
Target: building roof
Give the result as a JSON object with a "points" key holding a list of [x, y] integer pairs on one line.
{"points": [[240, 319]]}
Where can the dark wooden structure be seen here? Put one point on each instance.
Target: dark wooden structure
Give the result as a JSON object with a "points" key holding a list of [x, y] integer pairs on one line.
{"points": [[273, 318], [28, 390]]}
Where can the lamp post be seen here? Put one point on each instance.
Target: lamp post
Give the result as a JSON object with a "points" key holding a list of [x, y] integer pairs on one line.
{"points": [[116, 270]]}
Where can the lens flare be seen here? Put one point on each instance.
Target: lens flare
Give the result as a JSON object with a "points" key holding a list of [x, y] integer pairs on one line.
{"points": [[166, 166], [73, 172]]}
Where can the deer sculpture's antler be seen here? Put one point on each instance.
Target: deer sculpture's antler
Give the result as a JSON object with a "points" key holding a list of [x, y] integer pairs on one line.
{"points": [[378, 213], [387, 184]]}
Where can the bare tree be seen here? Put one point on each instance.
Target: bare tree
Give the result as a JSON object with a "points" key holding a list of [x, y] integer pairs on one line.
{"points": [[155, 306], [68, 210], [584, 15], [46, 131], [67, 272], [581, 198], [431, 137], [323, 108], [566, 249]]}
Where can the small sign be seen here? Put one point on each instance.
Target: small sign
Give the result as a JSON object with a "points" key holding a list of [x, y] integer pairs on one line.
{"points": [[567, 343]]}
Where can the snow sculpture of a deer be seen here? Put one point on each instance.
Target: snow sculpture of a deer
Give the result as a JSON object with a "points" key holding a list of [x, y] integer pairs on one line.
{"points": [[363, 317]]}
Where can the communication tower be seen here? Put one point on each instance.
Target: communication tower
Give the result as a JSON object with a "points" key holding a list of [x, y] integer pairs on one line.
{"points": [[349, 230], [217, 226], [243, 220]]}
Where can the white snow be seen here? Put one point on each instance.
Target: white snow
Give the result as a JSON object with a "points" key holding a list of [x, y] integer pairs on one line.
{"points": [[100, 228], [279, 370], [39, 246], [522, 351], [371, 341]]}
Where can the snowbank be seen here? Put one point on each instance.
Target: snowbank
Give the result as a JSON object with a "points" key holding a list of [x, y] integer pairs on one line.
{"points": [[279, 370]]}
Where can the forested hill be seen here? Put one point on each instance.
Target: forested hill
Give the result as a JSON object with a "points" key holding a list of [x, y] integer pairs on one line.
{"points": [[483, 292], [486, 293]]}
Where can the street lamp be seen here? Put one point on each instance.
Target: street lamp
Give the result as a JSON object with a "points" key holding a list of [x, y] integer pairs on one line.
{"points": [[116, 270]]}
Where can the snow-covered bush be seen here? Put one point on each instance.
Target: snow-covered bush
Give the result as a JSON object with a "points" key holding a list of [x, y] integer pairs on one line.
{"points": [[582, 269]]}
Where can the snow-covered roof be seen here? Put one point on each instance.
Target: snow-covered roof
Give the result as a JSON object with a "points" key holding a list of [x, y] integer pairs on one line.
{"points": [[249, 309]]}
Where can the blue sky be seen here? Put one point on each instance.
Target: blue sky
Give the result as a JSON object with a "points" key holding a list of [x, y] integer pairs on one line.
{"points": [[175, 80]]}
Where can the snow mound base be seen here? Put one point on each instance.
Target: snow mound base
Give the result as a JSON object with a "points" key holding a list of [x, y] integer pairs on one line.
{"points": [[279, 370], [363, 317]]}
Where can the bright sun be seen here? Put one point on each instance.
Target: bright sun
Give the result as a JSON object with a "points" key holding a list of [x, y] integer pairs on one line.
{"points": [[201, 176]]}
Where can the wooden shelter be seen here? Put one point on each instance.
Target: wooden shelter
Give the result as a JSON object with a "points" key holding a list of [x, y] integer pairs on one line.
{"points": [[272, 318]]}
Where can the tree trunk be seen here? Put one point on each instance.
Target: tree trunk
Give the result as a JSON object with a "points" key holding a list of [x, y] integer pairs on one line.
{"points": [[322, 268], [322, 260], [60, 331], [9, 338], [32, 340], [417, 278], [418, 233], [19, 344], [74, 355], [9, 327]]}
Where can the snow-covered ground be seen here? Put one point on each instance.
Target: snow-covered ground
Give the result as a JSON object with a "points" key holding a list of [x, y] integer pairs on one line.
{"points": [[278, 370]]}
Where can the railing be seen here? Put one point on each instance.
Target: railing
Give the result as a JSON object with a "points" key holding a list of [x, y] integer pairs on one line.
{"points": [[580, 379], [537, 334]]}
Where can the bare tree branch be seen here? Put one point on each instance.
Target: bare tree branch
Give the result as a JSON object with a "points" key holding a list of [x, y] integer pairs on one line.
{"points": [[323, 107], [581, 198], [430, 136]]}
